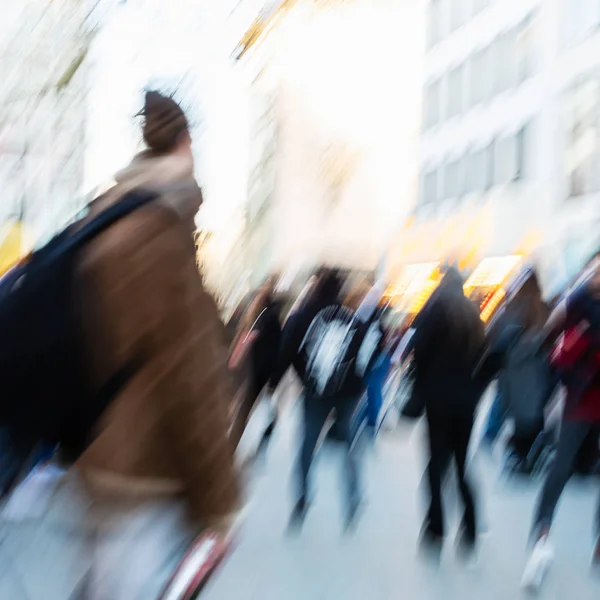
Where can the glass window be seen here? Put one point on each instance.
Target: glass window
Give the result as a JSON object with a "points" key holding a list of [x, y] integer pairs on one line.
{"points": [[430, 186], [477, 179], [434, 30], [480, 77], [457, 14], [431, 116], [581, 17], [453, 179], [479, 5], [523, 152], [506, 160], [582, 154], [455, 92], [504, 62], [525, 49]]}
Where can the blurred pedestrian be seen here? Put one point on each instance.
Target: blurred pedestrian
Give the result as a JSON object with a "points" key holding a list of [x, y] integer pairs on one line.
{"points": [[447, 342], [260, 331], [161, 469], [525, 380], [577, 358], [318, 342]]}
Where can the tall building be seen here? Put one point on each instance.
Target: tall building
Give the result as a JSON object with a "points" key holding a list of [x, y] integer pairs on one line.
{"points": [[42, 115], [509, 123], [341, 117]]}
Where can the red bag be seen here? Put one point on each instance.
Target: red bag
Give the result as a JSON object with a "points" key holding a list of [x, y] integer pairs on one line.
{"points": [[197, 566], [242, 350]]}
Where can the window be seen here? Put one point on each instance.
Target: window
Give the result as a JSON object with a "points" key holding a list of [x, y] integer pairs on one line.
{"points": [[506, 160], [455, 92], [453, 187], [431, 116], [479, 5], [505, 62], [523, 152], [480, 77], [582, 120], [580, 18], [524, 50], [430, 187], [457, 14], [478, 171], [434, 30]]}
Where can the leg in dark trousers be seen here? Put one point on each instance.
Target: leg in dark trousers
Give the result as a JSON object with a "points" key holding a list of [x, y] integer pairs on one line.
{"points": [[572, 435], [255, 387], [439, 453], [349, 429], [316, 411], [462, 426]]}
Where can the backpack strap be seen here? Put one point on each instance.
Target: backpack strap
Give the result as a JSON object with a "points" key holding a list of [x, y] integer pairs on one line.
{"points": [[129, 203]]}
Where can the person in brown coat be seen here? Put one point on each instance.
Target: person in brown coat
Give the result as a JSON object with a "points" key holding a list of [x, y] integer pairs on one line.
{"points": [[161, 469]]}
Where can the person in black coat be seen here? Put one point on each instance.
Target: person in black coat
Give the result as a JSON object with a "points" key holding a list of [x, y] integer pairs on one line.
{"points": [[448, 340], [262, 318], [326, 296]]}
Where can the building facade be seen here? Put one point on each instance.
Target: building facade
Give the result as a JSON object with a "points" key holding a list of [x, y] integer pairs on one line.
{"points": [[42, 115], [503, 145], [340, 174]]}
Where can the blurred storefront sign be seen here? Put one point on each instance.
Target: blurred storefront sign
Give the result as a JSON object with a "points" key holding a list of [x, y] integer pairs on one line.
{"points": [[462, 240], [14, 245]]}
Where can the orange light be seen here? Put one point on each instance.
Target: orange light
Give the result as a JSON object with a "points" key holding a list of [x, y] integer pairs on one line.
{"points": [[491, 304]]}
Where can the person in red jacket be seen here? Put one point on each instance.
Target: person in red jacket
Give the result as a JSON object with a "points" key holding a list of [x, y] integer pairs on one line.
{"points": [[577, 358]]}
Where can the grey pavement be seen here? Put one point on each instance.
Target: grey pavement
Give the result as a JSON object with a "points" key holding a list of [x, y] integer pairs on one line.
{"points": [[379, 561]]}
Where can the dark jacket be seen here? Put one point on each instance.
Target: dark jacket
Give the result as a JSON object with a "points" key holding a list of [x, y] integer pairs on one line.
{"points": [[525, 380], [265, 350], [443, 364], [293, 334], [141, 295]]}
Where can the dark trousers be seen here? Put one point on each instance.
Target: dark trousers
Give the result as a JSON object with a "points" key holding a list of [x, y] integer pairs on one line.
{"points": [[449, 437], [256, 384], [572, 436], [316, 411], [523, 438], [495, 420]]}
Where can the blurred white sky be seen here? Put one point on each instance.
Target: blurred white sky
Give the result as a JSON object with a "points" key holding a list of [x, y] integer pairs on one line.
{"points": [[340, 67]]}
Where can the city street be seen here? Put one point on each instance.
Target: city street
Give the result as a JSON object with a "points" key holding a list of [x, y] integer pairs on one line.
{"points": [[379, 561]]}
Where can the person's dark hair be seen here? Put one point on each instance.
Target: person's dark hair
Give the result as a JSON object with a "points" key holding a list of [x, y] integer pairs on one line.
{"points": [[464, 322], [328, 287], [164, 122], [528, 305]]}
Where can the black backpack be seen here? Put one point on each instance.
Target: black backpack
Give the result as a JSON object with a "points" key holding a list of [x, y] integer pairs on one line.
{"points": [[46, 395], [331, 347]]}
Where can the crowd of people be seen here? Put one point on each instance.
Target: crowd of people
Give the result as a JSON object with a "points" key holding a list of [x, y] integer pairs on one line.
{"points": [[158, 466]]}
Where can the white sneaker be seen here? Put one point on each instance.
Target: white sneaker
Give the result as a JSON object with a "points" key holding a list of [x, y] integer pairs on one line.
{"points": [[537, 565]]}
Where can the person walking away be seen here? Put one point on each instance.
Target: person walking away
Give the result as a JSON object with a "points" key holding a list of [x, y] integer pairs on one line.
{"points": [[525, 381], [262, 322], [447, 342], [577, 357], [161, 469], [525, 304], [318, 340]]}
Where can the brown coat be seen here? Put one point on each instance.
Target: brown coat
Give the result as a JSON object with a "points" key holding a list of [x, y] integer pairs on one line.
{"points": [[142, 297]]}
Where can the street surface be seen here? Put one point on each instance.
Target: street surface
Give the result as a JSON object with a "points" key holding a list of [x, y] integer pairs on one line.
{"points": [[379, 561]]}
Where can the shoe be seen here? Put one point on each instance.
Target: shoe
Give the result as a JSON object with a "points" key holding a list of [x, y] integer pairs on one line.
{"points": [[466, 549], [596, 556], [538, 564], [353, 515], [430, 547], [298, 516]]}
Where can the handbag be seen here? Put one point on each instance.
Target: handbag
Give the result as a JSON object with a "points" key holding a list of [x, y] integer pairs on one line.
{"points": [[197, 566]]}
